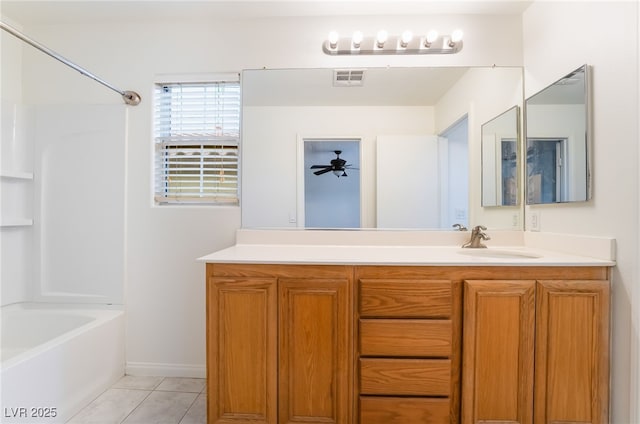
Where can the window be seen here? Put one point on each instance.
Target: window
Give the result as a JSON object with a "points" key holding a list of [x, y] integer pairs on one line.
{"points": [[197, 130]]}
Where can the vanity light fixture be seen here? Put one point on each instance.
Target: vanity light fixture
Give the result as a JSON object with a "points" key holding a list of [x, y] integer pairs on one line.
{"points": [[383, 43]]}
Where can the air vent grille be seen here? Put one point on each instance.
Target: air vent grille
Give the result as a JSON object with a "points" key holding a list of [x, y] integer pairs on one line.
{"points": [[348, 77]]}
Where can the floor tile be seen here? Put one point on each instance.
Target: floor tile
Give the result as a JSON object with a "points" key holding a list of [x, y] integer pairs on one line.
{"points": [[162, 408], [138, 382], [111, 407], [176, 384], [197, 414]]}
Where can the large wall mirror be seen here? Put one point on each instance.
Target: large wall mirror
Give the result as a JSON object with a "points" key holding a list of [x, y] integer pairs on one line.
{"points": [[557, 136], [418, 155]]}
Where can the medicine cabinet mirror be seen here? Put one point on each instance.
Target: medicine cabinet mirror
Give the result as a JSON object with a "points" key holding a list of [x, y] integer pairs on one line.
{"points": [[500, 159], [394, 112], [557, 141]]}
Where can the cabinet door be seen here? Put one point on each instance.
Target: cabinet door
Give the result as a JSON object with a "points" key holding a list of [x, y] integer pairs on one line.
{"points": [[572, 352], [315, 351], [498, 350], [241, 350]]}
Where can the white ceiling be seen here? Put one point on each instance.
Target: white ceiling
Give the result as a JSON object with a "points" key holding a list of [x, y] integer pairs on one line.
{"points": [[49, 11], [381, 87]]}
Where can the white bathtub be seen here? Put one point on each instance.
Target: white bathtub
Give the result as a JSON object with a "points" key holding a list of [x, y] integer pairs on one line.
{"points": [[56, 359]]}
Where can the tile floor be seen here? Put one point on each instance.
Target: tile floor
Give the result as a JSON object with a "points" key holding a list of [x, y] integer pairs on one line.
{"points": [[148, 400]]}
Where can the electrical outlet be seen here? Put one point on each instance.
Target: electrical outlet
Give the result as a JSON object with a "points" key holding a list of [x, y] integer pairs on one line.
{"points": [[515, 220], [535, 221]]}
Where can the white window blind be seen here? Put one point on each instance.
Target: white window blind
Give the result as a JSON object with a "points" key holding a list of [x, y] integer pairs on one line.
{"points": [[197, 129]]}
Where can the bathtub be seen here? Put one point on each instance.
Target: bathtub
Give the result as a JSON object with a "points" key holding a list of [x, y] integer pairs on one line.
{"points": [[56, 359]]}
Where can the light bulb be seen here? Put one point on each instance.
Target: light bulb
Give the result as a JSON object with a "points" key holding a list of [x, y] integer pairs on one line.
{"points": [[357, 39], [333, 39], [405, 38], [381, 38], [456, 36], [431, 37]]}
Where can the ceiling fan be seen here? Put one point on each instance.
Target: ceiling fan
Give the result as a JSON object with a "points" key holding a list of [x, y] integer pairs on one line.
{"points": [[338, 166]]}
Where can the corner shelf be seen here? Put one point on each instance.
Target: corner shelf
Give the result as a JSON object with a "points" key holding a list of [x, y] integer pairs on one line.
{"points": [[16, 175]]}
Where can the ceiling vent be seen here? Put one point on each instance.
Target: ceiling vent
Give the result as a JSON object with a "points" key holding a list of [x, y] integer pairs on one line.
{"points": [[348, 77]]}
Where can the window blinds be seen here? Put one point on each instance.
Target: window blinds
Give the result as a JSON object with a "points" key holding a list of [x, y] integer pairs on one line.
{"points": [[197, 129]]}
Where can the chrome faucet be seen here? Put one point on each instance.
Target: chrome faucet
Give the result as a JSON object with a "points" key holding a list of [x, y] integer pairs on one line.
{"points": [[459, 227], [477, 235]]}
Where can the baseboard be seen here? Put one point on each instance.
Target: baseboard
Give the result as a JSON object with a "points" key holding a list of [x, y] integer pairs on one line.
{"points": [[165, 370]]}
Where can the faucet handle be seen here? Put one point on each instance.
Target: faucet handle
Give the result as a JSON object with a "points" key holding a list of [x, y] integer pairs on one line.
{"points": [[460, 227], [480, 227]]}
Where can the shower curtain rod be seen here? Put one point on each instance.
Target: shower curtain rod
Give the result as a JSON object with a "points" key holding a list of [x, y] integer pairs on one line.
{"points": [[129, 97]]}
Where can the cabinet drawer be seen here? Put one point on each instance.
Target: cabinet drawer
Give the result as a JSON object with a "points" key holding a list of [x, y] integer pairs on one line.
{"points": [[405, 377], [389, 410], [389, 337], [405, 299]]}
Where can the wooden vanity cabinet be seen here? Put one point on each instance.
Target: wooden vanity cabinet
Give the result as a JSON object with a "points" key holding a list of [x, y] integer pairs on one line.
{"points": [[407, 344], [279, 344], [408, 353], [551, 335]]}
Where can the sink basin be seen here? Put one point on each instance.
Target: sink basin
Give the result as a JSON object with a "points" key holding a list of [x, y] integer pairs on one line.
{"points": [[498, 253]]}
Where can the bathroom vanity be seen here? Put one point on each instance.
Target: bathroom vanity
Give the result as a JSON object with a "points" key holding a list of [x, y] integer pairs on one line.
{"points": [[326, 333]]}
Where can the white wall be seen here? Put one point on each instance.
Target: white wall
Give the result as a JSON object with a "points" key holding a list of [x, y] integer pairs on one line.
{"points": [[477, 96], [165, 294], [409, 181], [558, 38], [457, 211], [270, 134]]}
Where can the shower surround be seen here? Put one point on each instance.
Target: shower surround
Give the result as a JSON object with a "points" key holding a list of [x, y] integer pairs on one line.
{"points": [[63, 254]]}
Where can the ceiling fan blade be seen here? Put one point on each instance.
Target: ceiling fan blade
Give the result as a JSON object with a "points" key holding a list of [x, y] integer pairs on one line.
{"points": [[322, 171], [320, 166]]}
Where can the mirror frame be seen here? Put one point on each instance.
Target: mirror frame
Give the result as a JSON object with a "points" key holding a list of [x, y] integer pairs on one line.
{"points": [[587, 137]]}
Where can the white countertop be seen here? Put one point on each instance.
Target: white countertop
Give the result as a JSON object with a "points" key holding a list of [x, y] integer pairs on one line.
{"points": [[296, 249]]}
